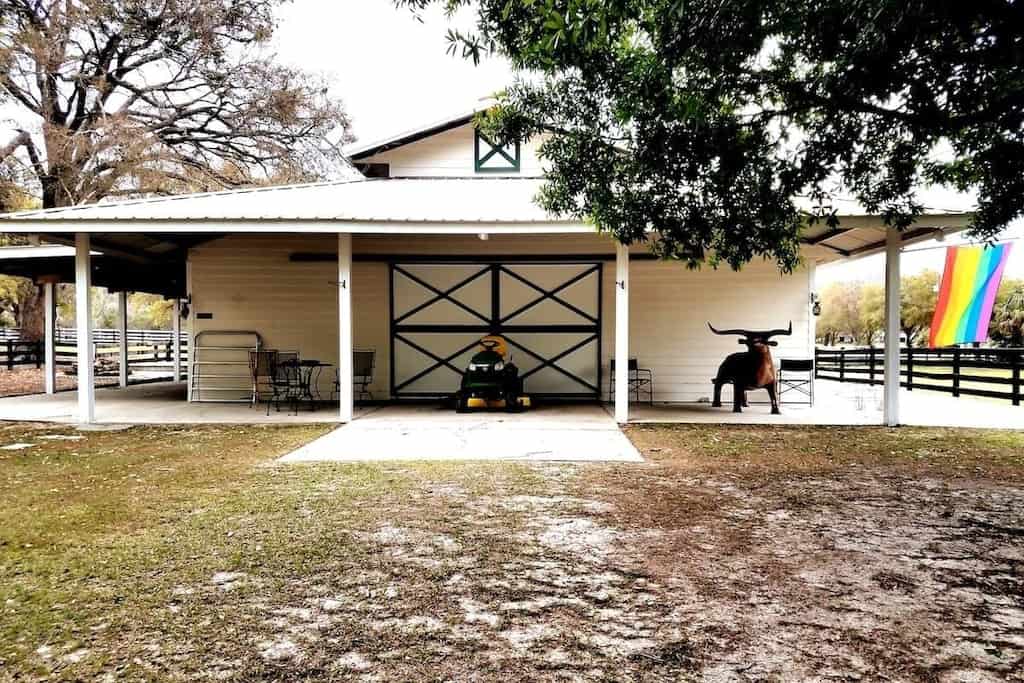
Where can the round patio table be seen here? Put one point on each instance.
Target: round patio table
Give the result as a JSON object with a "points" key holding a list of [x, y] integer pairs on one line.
{"points": [[309, 379], [309, 372]]}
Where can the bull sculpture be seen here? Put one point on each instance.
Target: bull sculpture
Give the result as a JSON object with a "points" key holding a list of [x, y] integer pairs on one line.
{"points": [[750, 369]]}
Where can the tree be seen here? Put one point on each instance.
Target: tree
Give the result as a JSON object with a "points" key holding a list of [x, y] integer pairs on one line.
{"points": [[919, 294], [705, 119], [138, 97], [1007, 326], [846, 310]]}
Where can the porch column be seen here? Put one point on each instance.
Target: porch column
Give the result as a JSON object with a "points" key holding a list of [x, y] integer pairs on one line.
{"points": [[345, 394], [176, 339], [122, 339], [621, 398], [50, 336], [893, 241], [83, 329]]}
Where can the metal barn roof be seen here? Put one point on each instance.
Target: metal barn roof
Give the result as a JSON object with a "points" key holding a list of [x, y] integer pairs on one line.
{"points": [[422, 200]]}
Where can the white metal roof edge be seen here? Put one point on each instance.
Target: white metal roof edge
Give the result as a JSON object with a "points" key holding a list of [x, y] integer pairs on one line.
{"points": [[360, 149], [311, 226], [31, 251], [42, 214]]}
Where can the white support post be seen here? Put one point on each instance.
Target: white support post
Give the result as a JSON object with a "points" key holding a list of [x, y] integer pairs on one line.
{"points": [[83, 328], [345, 391], [122, 339], [621, 397], [190, 327], [176, 339], [893, 242], [50, 336]]}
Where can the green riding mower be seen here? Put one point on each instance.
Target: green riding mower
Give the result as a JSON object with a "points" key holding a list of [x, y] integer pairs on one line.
{"points": [[491, 380]]}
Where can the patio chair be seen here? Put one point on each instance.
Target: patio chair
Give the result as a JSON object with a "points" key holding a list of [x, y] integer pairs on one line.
{"points": [[286, 381], [363, 364], [641, 381], [796, 374], [261, 367]]}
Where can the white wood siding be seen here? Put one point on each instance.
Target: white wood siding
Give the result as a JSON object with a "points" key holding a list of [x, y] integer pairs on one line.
{"points": [[248, 282], [448, 154], [671, 306]]}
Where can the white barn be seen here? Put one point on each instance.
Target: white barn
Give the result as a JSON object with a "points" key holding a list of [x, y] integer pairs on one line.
{"points": [[439, 243]]}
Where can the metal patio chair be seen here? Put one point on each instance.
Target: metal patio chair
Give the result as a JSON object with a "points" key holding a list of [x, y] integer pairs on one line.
{"points": [[641, 381], [796, 374], [286, 381], [364, 361], [261, 367]]}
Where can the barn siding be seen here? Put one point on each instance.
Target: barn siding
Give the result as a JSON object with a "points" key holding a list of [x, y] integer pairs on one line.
{"points": [[448, 154], [248, 282]]}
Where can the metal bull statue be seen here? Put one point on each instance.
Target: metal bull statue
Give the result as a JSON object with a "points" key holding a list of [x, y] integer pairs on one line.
{"points": [[750, 369]]}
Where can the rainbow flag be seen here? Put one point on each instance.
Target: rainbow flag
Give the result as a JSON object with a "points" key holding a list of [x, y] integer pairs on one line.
{"points": [[967, 293]]}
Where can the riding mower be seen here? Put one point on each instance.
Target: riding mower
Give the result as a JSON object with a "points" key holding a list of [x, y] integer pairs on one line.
{"points": [[491, 380]]}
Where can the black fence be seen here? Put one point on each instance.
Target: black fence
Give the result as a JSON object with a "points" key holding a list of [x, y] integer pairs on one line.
{"points": [[990, 373], [15, 353], [103, 335], [144, 346]]}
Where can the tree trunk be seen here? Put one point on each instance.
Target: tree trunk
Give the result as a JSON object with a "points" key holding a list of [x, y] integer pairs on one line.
{"points": [[30, 319]]}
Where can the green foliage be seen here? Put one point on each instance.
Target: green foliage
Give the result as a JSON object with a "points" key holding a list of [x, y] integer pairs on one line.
{"points": [[857, 309], [919, 294], [851, 309], [145, 311], [1007, 326], [704, 119]]}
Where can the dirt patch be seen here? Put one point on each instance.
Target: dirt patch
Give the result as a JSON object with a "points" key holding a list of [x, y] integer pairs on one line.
{"points": [[24, 381]]}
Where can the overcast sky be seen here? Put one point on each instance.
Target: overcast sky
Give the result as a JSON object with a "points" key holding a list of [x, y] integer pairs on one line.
{"points": [[391, 71]]}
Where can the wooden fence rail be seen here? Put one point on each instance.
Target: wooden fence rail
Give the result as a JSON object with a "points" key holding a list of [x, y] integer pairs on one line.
{"points": [[26, 353], [990, 373], [103, 335]]}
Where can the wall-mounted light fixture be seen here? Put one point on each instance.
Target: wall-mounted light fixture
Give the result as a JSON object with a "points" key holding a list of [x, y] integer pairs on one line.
{"points": [[186, 307], [815, 304]]}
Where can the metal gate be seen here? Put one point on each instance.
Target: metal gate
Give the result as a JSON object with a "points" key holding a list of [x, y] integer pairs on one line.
{"points": [[550, 314]]}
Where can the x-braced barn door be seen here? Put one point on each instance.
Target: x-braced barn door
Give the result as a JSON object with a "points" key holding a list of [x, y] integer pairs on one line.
{"points": [[550, 313]]}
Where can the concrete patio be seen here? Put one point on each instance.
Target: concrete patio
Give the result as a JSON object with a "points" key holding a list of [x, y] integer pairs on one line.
{"points": [[158, 403], [835, 404], [847, 404], [579, 433]]}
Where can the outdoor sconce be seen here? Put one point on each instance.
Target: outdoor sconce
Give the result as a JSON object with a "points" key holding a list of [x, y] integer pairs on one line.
{"points": [[186, 307], [815, 304]]}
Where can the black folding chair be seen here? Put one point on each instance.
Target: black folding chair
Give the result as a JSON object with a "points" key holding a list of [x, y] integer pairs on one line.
{"points": [[363, 365], [796, 374], [641, 381]]}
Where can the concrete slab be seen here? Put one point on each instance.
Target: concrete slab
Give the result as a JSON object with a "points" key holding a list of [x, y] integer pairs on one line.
{"points": [[848, 404], [159, 403], [570, 433]]}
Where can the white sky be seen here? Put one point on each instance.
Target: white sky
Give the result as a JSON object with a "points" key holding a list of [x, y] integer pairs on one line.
{"points": [[391, 71]]}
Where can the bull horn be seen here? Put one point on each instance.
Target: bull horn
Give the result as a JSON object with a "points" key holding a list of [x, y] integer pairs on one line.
{"points": [[772, 333], [742, 333]]}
